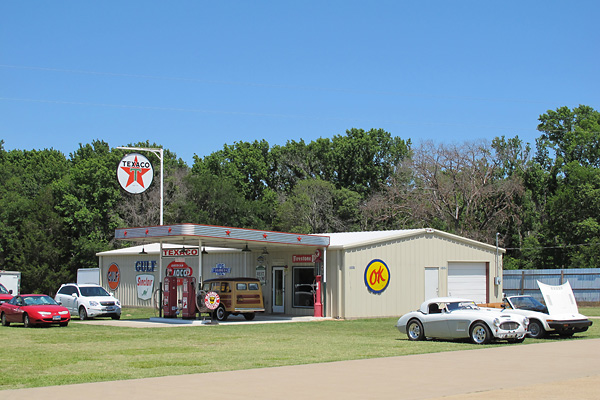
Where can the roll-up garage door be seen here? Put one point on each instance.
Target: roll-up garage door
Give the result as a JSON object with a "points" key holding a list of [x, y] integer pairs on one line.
{"points": [[468, 280]]}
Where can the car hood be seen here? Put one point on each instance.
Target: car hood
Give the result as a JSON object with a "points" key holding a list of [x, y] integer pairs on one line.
{"points": [[559, 300]]}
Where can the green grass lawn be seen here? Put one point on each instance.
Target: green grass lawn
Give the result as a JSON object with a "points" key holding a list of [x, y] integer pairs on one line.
{"points": [[88, 353]]}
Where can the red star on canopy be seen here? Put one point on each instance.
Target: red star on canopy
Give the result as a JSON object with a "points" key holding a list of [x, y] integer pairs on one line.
{"points": [[135, 173]]}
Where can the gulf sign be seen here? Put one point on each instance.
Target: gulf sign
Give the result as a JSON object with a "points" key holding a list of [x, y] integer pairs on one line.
{"points": [[377, 276], [179, 269], [113, 276]]}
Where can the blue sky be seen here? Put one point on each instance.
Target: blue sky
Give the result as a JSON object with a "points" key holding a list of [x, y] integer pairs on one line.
{"points": [[195, 75]]}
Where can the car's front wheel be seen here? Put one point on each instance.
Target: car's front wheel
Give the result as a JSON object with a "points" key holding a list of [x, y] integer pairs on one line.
{"points": [[82, 313], [4, 320], [249, 316], [221, 314], [480, 333], [116, 316], [414, 330], [536, 329]]}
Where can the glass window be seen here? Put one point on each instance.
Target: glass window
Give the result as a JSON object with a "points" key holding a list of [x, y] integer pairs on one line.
{"points": [[93, 291], [253, 286], [241, 286], [68, 290], [304, 287]]}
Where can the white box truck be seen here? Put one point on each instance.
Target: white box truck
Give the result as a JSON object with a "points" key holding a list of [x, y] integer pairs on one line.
{"points": [[88, 275], [11, 280]]}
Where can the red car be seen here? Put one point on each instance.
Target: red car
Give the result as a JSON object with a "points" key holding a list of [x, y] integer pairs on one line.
{"points": [[5, 294], [34, 309]]}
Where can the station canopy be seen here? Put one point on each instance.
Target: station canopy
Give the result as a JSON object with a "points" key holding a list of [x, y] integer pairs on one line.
{"points": [[220, 236]]}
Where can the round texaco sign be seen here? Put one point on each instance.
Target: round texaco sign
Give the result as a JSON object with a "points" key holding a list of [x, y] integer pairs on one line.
{"points": [[135, 173]]}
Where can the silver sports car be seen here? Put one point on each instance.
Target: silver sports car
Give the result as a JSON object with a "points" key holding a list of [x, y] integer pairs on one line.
{"points": [[456, 318]]}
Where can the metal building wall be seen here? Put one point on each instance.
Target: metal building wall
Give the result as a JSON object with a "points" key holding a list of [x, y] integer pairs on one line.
{"points": [[406, 258], [126, 292]]}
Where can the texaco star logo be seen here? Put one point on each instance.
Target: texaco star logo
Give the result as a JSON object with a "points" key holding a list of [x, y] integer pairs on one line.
{"points": [[135, 173]]}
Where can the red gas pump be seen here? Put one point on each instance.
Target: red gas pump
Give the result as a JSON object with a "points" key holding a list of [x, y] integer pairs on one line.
{"points": [[318, 306], [170, 297], [188, 302]]}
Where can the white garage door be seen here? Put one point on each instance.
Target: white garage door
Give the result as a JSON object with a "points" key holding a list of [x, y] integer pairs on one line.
{"points": [[468, 280]]}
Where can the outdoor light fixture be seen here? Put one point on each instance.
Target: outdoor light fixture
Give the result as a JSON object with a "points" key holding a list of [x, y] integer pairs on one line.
{"points": [[143, 250], [265, 252], [245, 249], [204, 251]]}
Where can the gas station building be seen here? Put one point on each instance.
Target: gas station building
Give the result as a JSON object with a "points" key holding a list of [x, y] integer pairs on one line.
{"points": [[359, 274]]}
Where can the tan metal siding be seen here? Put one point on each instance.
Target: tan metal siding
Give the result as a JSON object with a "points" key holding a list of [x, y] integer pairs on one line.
{"points": [[406, 259]]}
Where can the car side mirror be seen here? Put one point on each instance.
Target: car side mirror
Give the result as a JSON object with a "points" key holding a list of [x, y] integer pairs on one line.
{"points": [[10, 291], [74, 295]]}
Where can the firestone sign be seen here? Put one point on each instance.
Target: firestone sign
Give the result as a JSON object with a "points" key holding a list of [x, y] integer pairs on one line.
{"points": [[135, 173]]}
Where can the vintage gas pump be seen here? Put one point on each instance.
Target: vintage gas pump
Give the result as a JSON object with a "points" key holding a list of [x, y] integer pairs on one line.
{"points": [[318, 306], [170, 297], [318, 310], [188, 302]]}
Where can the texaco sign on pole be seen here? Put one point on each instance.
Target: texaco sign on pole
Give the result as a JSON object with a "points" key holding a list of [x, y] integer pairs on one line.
{"points": [[135, 173]]}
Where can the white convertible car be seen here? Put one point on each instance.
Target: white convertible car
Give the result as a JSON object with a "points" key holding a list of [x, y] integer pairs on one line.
{"points": [[456, 318], [559, 315]]}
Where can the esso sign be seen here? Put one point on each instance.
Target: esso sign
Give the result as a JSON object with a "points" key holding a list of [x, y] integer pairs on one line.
{"points": [[179, 269]]}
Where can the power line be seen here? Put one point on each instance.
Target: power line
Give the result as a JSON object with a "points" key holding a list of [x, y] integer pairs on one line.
{"points": [[553, 247], [270, 85]]}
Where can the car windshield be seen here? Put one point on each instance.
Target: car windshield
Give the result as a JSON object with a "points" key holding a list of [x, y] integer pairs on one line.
{"points": [[92, 291], [38, 301], [3, 289], [462, 305], [528, 303]]}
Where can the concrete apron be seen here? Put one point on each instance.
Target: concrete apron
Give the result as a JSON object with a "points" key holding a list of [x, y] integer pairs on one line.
{"points": [[552, 370]]}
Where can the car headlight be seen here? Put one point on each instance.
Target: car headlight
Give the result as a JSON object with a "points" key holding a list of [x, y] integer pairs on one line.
{"points": [[525, 322], [118, 303], [44, 313], [63, 312], [496, 321], [94, 303]]}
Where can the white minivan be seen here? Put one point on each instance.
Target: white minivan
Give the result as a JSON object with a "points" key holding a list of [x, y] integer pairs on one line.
{"points": [[88, 301]]}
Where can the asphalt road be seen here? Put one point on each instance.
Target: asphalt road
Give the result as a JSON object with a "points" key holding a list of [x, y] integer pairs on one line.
{"points": [[566, 369]]}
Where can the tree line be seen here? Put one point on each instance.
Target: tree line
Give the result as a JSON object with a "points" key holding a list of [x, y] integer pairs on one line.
{"points": [[543, 203]]}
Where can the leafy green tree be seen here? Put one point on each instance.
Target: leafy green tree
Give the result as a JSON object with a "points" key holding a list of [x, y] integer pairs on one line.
{"points": [[568, 155], [246, 164], [32, 234], [88, 198], [316, 206], [214, 200]]}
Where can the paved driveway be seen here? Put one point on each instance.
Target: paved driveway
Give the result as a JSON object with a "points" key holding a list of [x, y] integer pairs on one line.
{"points": [[545, 370]]}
